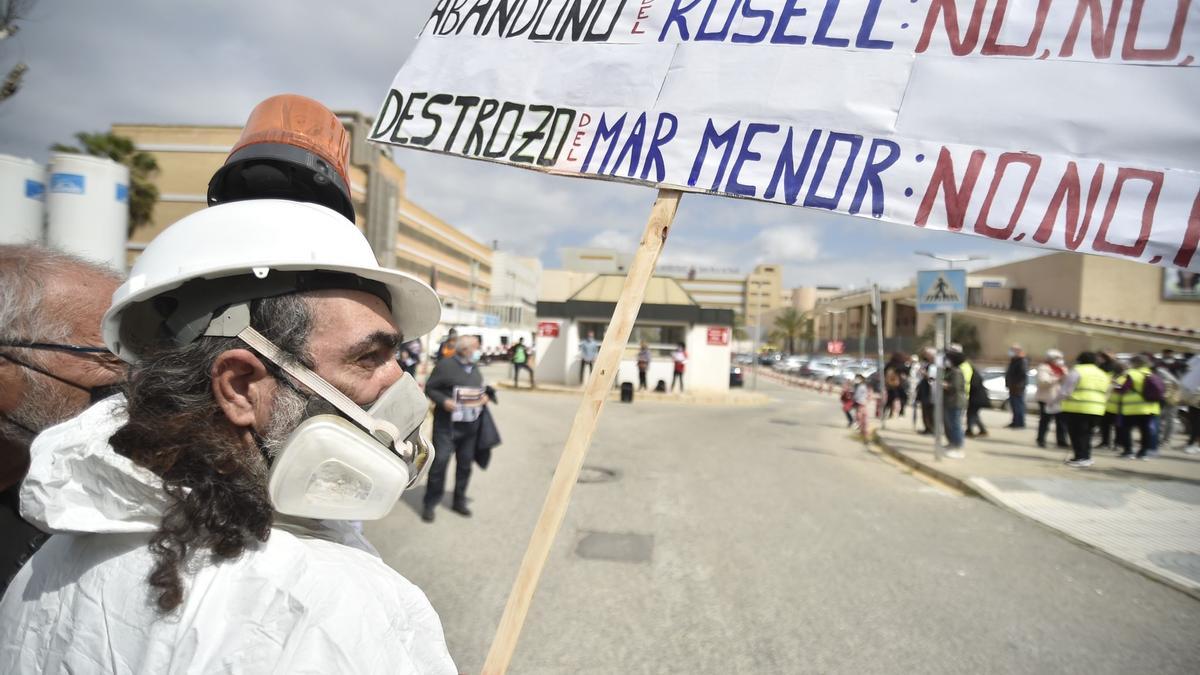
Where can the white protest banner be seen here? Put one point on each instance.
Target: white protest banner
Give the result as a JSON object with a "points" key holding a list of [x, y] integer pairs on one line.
{"points": [[1064, 124]]}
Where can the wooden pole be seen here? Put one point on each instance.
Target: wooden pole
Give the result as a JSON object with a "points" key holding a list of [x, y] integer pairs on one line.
{"points": [[595, 393]]}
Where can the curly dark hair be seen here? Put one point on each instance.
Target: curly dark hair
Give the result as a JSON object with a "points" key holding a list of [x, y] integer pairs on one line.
{"points": [[216, 488]]}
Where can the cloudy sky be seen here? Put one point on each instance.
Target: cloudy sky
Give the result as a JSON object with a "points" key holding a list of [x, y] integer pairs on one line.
{"points": [[93, 64]]}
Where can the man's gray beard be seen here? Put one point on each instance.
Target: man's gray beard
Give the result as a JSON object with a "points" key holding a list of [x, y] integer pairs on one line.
{"points": [[289, 409], [42, 407]]}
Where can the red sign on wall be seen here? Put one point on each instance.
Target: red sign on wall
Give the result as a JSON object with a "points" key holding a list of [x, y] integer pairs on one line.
{"points": [[548, 328], [835, 347], [718, 335]]}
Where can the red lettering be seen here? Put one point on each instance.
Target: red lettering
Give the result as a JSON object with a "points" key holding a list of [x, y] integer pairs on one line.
{"points": [[960, 44], [1101, 243], [992, 48], [1102, 36], [1033, 162], [578, 138], [1131, 53], [1068, 191], [635, 30], [955, 197], [1191, 238], [642, 13]]}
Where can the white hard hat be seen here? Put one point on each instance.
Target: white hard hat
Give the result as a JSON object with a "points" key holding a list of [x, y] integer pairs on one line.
{"points": [[247, 250]]}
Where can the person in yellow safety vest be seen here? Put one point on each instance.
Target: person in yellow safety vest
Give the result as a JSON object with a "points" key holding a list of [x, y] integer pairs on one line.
{"points": [[977, 398], [1084, 392], [1136, 411], [1108, 424]]}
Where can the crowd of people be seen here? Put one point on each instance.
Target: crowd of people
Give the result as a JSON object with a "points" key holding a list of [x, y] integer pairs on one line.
{"points": [[1097, 401]]}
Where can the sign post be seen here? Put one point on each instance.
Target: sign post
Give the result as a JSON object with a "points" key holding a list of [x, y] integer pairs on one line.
{"points": [[876, 312], [943, 292], [595, 392]]}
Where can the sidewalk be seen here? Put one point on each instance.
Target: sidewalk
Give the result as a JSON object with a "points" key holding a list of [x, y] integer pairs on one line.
{"points": [[731, 397], [1144, 514]]}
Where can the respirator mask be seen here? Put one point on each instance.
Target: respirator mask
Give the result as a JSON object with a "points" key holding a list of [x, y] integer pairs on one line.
{"points": [[348, 466]]}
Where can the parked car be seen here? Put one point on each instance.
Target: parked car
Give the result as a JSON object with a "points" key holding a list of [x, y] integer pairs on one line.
{"points": [[993, 381]]}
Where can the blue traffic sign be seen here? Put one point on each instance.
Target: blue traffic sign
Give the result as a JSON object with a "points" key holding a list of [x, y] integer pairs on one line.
{"points": [[942, 291]]}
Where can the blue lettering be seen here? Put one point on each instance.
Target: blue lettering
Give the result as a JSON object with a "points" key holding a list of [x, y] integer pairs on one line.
{"points": [[744, 155], [864, 41], [708, 36], [725, 138], [654, 154], [870, 177], [632, 147], [676, 16], [764, 15], [812, 198], [792, 175], [789, 11], [603, 133], [822, 36]]}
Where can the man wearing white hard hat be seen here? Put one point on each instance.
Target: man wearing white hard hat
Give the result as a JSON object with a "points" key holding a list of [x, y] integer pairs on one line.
{"points": [[206, 521]]}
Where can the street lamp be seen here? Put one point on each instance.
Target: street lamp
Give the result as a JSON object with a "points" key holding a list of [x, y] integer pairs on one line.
{"points": [[757, 324]]}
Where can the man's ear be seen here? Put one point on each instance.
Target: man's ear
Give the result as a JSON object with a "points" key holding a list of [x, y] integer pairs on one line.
{"points": [[242, 387]]}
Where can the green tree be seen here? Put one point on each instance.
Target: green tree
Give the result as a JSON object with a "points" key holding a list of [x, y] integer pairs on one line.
{"points": [[962, 331], [790, 325], [143, 193]]}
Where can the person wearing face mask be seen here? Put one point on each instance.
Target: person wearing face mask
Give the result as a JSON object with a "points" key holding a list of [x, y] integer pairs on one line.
{"points": [[52, 366], [457, 390], [207, 522]]}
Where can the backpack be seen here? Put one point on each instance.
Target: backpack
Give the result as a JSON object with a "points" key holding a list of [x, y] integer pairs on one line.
{"points": [[1153, 389]]}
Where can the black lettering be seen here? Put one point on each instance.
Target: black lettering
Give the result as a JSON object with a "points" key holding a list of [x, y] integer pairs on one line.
{"points": [[436, 99], [569, 113], [475, 136], [531, 136], [380, 130], [505, 109], [464, 104]]}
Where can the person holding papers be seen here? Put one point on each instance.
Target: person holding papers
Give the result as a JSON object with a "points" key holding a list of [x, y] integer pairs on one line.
{"points": [[457, 391]]}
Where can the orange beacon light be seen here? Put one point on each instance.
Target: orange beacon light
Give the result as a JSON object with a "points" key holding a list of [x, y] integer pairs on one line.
{"points": [[292, 147]]}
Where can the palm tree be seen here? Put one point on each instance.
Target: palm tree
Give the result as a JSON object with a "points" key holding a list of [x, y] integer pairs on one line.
{"points": [[143, 193], [789, 325]]}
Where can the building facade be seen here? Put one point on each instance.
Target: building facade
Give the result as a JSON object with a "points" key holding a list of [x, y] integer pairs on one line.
{"points": [[515, 285]]}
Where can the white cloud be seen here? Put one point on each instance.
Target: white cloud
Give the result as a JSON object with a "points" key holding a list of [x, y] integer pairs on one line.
{"points": [[621, 241], [787, 244]]}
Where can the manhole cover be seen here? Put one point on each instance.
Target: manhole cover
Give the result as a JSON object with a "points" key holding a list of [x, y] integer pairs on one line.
{"points": [[615, 546], [596, 474]]}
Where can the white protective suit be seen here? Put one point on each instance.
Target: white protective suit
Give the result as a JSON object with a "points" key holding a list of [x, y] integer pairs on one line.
{"points": [[315, 598]]}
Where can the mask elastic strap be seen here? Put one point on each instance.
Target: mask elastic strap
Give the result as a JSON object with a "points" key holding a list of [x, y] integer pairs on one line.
{"points": [[238, 316]]}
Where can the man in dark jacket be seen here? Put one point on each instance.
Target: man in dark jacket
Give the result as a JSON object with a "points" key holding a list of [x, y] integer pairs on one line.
{"points": [[457, 391], [1016, 378]]}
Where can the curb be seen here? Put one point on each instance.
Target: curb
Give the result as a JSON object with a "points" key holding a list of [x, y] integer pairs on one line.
{"points": [[925, 469], [968, 487]]}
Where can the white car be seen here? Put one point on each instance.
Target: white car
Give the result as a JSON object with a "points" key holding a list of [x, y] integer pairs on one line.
{"points": [[993, 381]]}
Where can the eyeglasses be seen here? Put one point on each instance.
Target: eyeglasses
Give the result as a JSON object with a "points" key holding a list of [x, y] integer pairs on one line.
{"points": [[54, 346], [95, 393]]}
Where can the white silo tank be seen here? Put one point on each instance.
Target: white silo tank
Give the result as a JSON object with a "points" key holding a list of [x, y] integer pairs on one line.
{"points": [[87, 202], [22, 200]]}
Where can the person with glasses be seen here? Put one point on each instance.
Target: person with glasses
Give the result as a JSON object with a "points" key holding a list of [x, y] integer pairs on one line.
{"points": [[53, 365]]}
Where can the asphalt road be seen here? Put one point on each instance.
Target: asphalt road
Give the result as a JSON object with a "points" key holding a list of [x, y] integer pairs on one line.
{"points": [[765, 540]]}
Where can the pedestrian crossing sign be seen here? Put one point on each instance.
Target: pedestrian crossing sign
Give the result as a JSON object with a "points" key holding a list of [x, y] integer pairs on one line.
{"points": [[942, 291]]}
